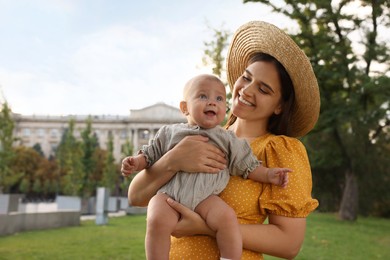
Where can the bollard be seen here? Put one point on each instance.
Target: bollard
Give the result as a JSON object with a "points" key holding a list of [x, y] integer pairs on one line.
{"points": [[102, 206]]}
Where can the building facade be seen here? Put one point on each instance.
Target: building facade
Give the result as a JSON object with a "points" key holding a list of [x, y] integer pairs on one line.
{"points": [[139, 128]]}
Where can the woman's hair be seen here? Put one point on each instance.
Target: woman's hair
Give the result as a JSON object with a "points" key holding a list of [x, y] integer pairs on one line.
{"points": [[278, 124]]}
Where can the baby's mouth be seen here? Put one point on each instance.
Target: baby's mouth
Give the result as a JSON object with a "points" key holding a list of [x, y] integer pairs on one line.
{"points": [[210, 113]]}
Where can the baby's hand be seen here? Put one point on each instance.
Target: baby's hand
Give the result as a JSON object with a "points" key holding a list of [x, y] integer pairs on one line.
{"points": [[129, 166], [278, 176]]}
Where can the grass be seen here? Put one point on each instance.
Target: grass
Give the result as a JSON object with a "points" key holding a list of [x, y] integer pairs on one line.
{"points": [[123, 238], [329, 238]]}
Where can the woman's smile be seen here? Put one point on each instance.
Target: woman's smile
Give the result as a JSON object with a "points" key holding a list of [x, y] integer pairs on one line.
{"points": [[242, 99]]}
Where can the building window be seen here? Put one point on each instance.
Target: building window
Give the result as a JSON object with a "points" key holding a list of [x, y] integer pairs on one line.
{"points": [[144, 134], [124, 134], [54, 133], [26, 132], [41, 132]]}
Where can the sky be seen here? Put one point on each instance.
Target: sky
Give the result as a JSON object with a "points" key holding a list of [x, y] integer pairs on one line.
{"points": [[106, 57]]}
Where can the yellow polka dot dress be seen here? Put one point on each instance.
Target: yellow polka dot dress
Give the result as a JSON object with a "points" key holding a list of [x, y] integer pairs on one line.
{"points": [[253, 201]]}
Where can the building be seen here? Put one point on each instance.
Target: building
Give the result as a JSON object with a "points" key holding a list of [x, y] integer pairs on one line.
{"points": [[139, 127]]}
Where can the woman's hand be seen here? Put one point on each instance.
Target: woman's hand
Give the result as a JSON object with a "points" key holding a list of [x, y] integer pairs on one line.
{"points": [[190, 223], [192, 154], [195, 154]]}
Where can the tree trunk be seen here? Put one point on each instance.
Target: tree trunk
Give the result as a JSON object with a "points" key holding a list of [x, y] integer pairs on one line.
{"points": [[350, 201]]}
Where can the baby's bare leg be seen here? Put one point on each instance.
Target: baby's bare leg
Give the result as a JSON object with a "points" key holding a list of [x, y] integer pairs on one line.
{"points": [[222, 219], [161, 220]]}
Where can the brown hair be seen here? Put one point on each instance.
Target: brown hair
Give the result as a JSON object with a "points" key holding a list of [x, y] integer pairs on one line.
{"points": [[278, 124]]}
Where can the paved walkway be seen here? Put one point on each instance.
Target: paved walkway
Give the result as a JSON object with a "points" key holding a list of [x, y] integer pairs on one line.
{"points": [[110, 214]]}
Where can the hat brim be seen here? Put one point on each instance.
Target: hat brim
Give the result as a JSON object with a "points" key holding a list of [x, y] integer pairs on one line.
{"points": [[258, 36]]}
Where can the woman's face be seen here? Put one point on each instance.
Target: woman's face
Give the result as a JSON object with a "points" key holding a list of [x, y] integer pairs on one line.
{"points": [[257, 93]]}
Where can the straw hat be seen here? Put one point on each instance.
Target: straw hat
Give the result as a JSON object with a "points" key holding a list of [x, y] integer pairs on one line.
{"points": [[258, 36]]}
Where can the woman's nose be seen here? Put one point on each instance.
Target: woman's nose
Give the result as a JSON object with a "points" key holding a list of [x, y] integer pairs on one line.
{"points": [[243, 90], [246, 89]]}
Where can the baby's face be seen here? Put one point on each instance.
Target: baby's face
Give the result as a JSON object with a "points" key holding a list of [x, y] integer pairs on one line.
{"points": [[206, 103]]}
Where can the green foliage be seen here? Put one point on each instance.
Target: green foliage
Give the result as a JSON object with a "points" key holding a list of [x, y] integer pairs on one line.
{"points": [[37, 186], [32, 170], [24, 186], [89, 145], [127, 148], [7, 178], [37, 147], [355, 93], [76, 169], [69, 160], [111, 172], [214, 51], [214, 55], [25, 163]]}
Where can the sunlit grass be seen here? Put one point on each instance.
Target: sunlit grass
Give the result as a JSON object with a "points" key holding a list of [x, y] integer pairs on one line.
{"points": [[123, 238], [328, 238]]}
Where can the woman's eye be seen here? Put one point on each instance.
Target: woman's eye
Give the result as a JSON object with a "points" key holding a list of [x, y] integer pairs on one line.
{"points": [[263, 90], [246, 78]]}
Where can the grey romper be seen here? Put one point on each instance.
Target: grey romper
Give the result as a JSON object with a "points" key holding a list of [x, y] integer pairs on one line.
{"points": [[189, 188]]}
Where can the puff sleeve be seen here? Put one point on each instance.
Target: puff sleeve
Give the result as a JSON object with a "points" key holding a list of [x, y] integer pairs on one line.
{"points": [[295, 200]]}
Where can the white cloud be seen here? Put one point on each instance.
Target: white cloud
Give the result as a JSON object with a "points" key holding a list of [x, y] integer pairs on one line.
{"points": [[92, 60]]}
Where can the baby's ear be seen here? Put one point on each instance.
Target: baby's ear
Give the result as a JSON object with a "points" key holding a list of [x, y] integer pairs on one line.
{"points": [[183, 108]]}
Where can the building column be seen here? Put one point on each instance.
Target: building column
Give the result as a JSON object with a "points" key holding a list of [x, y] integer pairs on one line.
{"points": [[134, 139]]}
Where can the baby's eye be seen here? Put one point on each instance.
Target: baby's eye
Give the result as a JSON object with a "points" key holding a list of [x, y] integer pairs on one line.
{"points": [[203, 97], [219, 98]]}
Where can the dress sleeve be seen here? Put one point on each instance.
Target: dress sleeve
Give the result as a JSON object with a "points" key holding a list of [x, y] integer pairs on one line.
{"points": [[295, 200]]}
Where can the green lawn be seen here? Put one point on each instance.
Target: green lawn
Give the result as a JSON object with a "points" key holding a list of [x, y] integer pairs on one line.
{"points": [[327, 238], [123, 238]]}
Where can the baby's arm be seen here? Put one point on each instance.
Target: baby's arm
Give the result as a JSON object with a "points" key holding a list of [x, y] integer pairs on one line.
{"points": [[277, 176], [133, 163]]}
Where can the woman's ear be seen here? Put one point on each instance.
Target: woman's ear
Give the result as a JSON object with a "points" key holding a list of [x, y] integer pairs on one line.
{"points": [[183, 108], [278, 109]]}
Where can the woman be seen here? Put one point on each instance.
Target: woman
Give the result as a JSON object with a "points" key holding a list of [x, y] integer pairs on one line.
{"points": [[275, 100]]}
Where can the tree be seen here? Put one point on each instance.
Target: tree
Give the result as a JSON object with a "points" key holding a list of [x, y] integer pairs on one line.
{"points": [[111, 172], [70, 168], [7, 177], [89, 145], [127, 150], [37, 147], [26, 163], [47, 173], [100, 156], [354, 86], [214, 55]]}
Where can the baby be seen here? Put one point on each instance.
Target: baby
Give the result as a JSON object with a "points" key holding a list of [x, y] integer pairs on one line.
{"points": [[204, 105]]}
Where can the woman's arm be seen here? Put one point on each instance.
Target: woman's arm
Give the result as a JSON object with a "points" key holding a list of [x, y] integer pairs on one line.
{"points": [[282, 237], [192, 154]]}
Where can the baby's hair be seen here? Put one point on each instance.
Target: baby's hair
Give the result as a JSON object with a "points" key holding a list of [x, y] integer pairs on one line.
{"points": [[195, 80]]}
